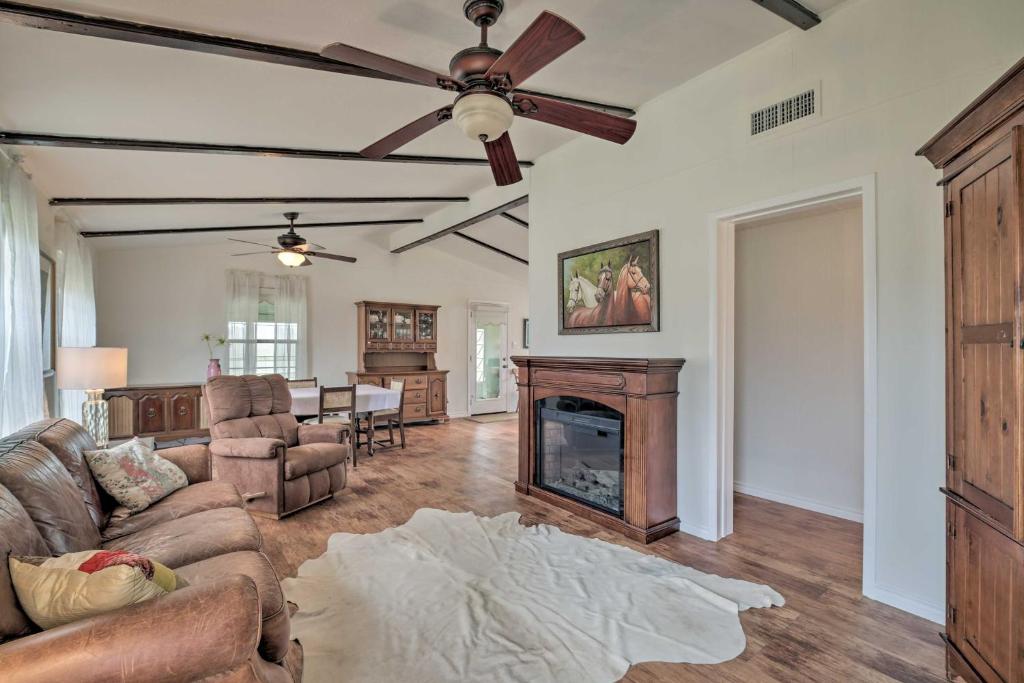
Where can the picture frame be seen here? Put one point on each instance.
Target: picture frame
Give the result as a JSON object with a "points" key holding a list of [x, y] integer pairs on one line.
{"points": [[610, 287]]}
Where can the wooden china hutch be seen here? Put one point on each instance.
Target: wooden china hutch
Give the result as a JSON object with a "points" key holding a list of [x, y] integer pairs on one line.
{"points": [[398, 342]]}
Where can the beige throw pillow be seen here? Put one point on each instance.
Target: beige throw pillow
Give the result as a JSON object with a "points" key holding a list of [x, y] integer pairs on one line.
{"points": [[59, 590], [134, 474]]}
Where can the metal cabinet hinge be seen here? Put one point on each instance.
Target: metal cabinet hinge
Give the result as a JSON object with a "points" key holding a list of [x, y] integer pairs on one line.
{"points": [[949, 209], [951, 461], [951, 529], [952, 614]]}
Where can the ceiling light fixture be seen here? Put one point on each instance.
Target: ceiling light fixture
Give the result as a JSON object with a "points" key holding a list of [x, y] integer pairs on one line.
{"points": [[483, 116], [291, 259]]}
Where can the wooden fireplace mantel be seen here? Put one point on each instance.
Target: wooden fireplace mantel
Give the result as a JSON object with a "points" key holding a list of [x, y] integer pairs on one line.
{"points": [[645, 391]]}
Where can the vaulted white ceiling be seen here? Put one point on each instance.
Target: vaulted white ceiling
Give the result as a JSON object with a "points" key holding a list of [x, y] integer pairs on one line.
{"points": [[67, 84]]}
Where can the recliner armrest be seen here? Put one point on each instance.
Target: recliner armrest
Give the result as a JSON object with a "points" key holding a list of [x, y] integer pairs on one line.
{"points": [[192, 633], [253, 447], [194, 461], [321, 433]]}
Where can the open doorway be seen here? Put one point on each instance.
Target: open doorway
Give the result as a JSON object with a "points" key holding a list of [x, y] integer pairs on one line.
{"points": [[799, 358], [724, 229], [489, 378]]}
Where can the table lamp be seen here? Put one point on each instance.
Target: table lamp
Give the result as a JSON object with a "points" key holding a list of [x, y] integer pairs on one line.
{"points": [[94, 369]]}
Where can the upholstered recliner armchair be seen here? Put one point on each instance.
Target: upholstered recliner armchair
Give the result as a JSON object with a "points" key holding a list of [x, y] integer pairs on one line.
{"points": [[278, 465]]}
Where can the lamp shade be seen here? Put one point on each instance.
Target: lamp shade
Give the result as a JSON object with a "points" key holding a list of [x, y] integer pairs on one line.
{"points": [[92, 367]]}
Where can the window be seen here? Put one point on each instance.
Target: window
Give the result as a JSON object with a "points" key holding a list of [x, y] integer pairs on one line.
{"points": [[266, 326]]}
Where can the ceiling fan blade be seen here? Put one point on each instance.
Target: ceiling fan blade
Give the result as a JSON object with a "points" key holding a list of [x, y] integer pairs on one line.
{"points": [[340, 52], [545, 40], [258, 244], [333, 257], [400, 137], [503, 161], [307, 246], [307, 262], [581, 119], [253, 253]]}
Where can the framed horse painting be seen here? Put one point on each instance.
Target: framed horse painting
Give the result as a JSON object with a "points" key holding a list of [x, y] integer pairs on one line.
{"points": [[610, 287]]}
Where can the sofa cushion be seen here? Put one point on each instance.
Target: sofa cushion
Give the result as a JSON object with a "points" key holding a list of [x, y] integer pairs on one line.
{"points": [[207, 495], [18, 536], [193, 538], [50, 497], [313, 457], [281, 426], [68, 440], [276, 629]]}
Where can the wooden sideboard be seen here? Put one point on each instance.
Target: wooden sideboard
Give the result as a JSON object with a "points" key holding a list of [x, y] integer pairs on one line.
{"points": [[981, 154], [397, 341], [163, 411]]}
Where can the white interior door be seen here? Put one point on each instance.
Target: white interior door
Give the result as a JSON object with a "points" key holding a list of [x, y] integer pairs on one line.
{"points": [[488, 362]]}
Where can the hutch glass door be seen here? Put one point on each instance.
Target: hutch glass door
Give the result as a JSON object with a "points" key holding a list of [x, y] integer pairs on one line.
{"points": [[377, 323], [401, 320]]}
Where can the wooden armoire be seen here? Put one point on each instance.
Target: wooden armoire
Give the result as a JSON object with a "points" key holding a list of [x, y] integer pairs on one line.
{"points": [[981, 154]]}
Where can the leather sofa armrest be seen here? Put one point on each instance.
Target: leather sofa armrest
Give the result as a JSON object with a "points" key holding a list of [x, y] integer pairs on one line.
{"points": [[194, 461], [188, 635], [254, 447], [321, 433]]}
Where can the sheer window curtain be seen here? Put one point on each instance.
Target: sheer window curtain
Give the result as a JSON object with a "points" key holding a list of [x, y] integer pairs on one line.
{"points": [[76, 304], [21, 352], [260, 342]]}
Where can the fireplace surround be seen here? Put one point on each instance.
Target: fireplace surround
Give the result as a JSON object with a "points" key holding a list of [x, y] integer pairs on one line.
{"points": [[597, 437]]}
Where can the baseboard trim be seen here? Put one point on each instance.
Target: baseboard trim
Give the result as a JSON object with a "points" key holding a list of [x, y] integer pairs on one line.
{"points": [[799, 502], [698, 531], [925, 610]]}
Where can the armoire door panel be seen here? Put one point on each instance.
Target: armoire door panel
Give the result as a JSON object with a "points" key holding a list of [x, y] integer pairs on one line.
{"points": [[987, 598], [985, 269]]}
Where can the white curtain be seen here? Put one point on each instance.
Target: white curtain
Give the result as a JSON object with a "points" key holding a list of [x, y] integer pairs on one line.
{"points": [[76, 304], [21, 346], [243, 304], [290, 313], [270, 337]]}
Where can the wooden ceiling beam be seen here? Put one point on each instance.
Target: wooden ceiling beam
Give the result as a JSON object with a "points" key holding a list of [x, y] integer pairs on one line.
{"points": [[518, 221], [170, 201], [485, 245], [242, 228], [792, 11], [87, 142], [496, 211], [50, 19]]}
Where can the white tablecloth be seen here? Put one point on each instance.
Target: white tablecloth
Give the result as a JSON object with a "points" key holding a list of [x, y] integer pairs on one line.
{"points": [[306, 400]]}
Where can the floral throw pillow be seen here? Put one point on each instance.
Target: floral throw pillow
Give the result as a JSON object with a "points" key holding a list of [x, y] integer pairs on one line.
{"points": [[134, 475]]}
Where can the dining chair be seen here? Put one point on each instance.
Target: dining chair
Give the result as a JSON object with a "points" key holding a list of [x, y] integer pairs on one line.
{"points": [[302, 383], [393, 416], [337, 406]]}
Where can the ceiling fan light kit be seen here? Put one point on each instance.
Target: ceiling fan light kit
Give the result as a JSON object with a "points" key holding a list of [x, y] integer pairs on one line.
{"points": [[483, 116], [486, 80], [291, 259]]}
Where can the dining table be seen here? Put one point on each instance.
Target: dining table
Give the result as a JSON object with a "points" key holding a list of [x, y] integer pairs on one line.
{"points": [[369, 399]]}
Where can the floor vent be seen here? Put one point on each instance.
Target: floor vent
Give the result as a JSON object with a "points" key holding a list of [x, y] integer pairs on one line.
{"points": [[788, 110]]}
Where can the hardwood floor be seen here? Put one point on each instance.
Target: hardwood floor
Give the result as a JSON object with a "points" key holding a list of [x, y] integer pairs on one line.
{"points": [[826, 632]]}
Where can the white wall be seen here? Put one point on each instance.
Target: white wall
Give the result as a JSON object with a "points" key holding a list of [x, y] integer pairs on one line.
{"points": [[799, 350], [158, 301], [892, 73]]}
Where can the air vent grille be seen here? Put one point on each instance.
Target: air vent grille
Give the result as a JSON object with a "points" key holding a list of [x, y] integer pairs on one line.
{"points": [[788, 110]]}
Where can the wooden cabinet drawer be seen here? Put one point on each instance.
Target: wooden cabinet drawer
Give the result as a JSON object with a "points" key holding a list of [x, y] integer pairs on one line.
{"points": [[414, 381], [415, 396], [415, 411], [375, 380]]}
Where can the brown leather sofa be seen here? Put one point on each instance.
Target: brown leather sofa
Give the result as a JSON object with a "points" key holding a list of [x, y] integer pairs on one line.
{"points": [[277, 464], [231, 624]]}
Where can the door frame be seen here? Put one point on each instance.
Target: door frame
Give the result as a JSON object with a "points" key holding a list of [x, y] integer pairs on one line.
{"points": [[722, 352], [496, 307]]}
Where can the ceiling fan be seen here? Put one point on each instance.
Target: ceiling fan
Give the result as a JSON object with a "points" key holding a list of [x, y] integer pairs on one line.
{"points": [[485, 80], [293, 249]]}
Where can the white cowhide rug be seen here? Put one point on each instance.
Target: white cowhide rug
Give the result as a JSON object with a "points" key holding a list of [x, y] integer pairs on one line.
{"points": [[457, 597]]}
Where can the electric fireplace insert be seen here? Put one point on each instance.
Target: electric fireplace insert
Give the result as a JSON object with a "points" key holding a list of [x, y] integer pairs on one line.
{"points": [[580, 451]]}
